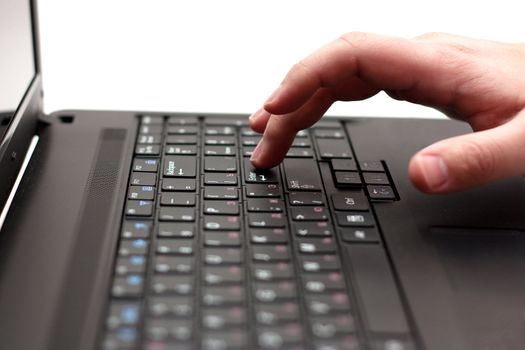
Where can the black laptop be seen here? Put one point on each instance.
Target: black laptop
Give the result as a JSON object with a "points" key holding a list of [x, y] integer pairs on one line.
{"points": [[138, 230]]}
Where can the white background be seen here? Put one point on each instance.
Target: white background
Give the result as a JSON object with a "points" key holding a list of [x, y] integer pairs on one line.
{"points": [[225, 55]]}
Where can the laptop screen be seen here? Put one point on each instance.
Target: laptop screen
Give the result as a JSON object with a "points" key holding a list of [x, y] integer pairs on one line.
{"points": [[17, 63]]}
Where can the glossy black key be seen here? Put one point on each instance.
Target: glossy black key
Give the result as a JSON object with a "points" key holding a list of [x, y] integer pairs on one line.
{"points": [[271, 253], [221, 318], [177, 214], [216, 207], [316, 245], [317, 263], [175, 230], [375, 178], [271, 205], [151, 119], [325, 304], [149, 165], [266, 220], [215, 275], [221, 256], [178, 184], [347, 178], [170, 306], [334, 148], [309, 213], [359, 234], [132, 264], [275, 314], [149, 139], [139, 208], [136, 229], [123, 314], [269, 235], [220, 164], [180, 166], [297, 152], [219, 130], [221, 192], [173, 264], [225, 340], [272, 271], [219, 140], [262, 190], [313, 229], [220, 151], [222, 239], [150, 129], [147, 150], [169, 329], [326, 327], [187, 120], [305, 198], [302, 174], [181, 140], [270, 292], [381, 192], [143, 179], [222, 223], [181, 150], [221, 179], [348, 201], [226, 295], [141, 192], [343, 164], [277, 337], [133, 247], [181, 199], [373, 165], [175, 246], [129, 286], [182, 130], [173, 284], [329, 133], [323, 282], [355, 219]]}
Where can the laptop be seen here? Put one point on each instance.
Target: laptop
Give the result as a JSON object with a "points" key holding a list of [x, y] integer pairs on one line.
{"points": [[139, 230]]}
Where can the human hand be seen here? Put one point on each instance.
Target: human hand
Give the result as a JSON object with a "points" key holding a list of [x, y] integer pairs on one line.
{"points": [[480, 82]]}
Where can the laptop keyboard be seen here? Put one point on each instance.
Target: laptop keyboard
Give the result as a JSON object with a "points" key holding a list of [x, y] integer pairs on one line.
{"points": [[214, 254]]}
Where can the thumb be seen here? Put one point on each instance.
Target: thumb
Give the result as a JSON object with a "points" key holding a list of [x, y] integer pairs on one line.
{"points": [[470, 160]]}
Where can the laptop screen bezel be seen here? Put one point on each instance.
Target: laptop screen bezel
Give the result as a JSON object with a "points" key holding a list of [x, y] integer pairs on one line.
{"points": [[24, 122]]}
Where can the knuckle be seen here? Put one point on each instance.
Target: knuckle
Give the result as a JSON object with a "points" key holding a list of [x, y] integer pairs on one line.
{"points": [[432, 36], [355, 38]]}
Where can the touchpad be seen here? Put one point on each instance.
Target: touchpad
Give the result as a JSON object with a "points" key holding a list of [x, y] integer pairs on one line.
{"points": [[486, 271]]}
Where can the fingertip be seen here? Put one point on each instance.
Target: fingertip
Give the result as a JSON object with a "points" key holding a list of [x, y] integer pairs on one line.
{"points": [[429, 173], [259, 119]]}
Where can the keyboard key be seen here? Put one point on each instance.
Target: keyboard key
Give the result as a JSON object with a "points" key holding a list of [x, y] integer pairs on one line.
{"points": [[175, 246], [181, 150], [262, 190], [272, 271], [136, 229], [219, 151], [266, 220], [271, 292], [129, 286], [218, 318], [349, 201], [179, 184], [147, 150], [326, 304], [181, 140], [214, 275], [175, 230], [302, 174], [360, 234], [375, 178], [221, 296], [220, 256], [313, 229], [123, 314], [176, 214], [143, 179], [173, 284], [329, 133], [139, 208], [372, 166], [271, 253], [343, 164], [222, 239], [188, 120], [270, 205], [133, 247], [173, 264], [216, 207], [220, 179], [170, 306], [353, 219], [309, 213], [316, 245], [274, 314], [322, 282], [182, 130], [150, 129], [180, 166], [168, 329], [317, 263], [151, 120], [274, 337], [150, 165], [347, 178], [141, 192], [381, 192], [222, 223], [252, 175], [306, 198], [333, 148], [326, 327], [224, 340], [149, 139], [221, 193], [220, 164], [135, 264], [269, 235], [177, 199]]}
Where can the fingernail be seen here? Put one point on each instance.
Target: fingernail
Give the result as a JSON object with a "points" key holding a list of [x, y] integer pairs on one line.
{"points": [[273, 96], [257, 114], [434, 171]]}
